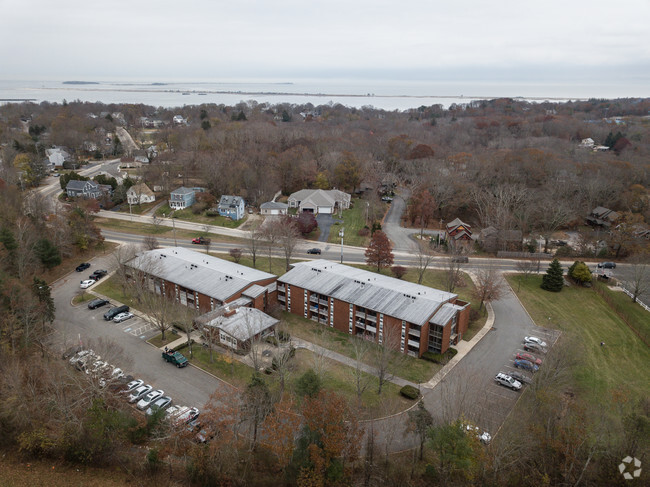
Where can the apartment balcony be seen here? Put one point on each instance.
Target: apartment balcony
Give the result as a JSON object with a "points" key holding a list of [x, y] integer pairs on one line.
{"points": [[313, 298], [372, 318], [371, 329], [282, 298], [323, 311], [313, 309], [414, 332], [281, 288], [323, 302], [314, 318], [413, 343]]}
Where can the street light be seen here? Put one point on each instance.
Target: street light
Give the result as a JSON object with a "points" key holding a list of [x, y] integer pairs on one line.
{"points": [[341, 233]]}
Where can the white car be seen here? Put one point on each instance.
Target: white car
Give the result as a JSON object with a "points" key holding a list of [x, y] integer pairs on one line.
{"points": [[87, 283], [507, 381], [149, 398], [132, 385], [161, 403], [123, 317], [138, 392], [532, 339]]}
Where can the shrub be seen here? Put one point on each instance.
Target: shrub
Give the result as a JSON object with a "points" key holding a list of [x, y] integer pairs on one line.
{"points": [[272, 340], [364, 232], [432, 357], [409, 392], [284, 336], [398, 271], [309, 384]]}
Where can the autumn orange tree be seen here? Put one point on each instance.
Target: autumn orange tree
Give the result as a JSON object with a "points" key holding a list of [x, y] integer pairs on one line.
{"points": [[379, 252], [331, 437]]}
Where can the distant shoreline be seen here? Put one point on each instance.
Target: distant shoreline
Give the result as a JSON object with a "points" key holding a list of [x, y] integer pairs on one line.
{"points": [[80, 82], [324, 95]]}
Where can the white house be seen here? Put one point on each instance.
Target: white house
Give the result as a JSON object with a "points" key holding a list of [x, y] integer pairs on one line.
{"points": [[140, 193], [274, 208], [319, 200]]}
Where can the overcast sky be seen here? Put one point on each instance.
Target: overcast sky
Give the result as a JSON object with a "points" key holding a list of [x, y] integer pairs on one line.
{"points": [[283, 39]]}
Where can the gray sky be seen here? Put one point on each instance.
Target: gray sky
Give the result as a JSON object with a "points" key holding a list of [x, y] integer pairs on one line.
{"points": [[200, 39]]}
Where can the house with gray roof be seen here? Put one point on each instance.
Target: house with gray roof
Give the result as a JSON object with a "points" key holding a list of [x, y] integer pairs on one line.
{"points": [[407, 316], [319, 200], [201, 281], [274, 208], [238, 325], [183, 197], [602, 217], [86, 189], [231, 207]]}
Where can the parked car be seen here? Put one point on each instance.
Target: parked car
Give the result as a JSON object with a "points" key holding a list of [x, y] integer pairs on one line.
{"points": [[529, 357], [132, 385], [148, 399], [521, 377], [463, 259], [161, 403], [87, 283], [123, 317], [187, 416], [97, 303], [98, 274], [315, 250], [82, 267], [113, 312], [532, 339], [526, 365], [533, 347], [507, 381], [607, 265], [201, 241], [176, 358], [387, 199], [138, 393]]}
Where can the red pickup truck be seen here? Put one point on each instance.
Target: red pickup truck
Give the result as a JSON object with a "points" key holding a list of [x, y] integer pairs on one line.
{"points": [[201, 240]]}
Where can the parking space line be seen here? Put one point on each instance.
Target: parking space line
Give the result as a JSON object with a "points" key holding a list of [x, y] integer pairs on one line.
{"points": [[500, 395]]}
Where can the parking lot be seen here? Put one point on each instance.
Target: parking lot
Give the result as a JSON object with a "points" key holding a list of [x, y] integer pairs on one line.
{"points": [[499, 400], [135, 326]]}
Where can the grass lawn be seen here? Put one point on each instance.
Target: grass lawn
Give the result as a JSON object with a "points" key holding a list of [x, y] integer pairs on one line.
{"points": [[112, 289], [354, 219], [159, 230], [157, 341], [68, 265], [637, 317], [187, 215], [619, 366], [409, 368], [138, 209], [82, 298]]}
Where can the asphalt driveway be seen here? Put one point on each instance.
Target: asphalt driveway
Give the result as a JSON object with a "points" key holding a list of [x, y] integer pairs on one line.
{"points": [[325, 222]]}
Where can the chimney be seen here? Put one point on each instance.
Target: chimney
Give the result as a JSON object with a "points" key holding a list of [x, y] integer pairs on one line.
{"points": [[229, 312]]}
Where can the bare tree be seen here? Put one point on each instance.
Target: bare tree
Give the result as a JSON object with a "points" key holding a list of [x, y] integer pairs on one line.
{"points": [[150, 243], [453, 270], [236, 254], [270, 242], [489, 285], [638, 281], [122, 255], [207, 241], [424, 257], [526, 267], [209, 333], [253, 244], [362, 379], [386, 357]]}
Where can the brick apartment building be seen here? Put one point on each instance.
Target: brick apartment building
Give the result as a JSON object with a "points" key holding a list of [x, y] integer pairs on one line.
{"points": [[378, 307], [202, 281]]}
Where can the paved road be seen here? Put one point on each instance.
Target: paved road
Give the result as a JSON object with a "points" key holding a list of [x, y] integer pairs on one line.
{"points": [[128, 143], [401, 237]]}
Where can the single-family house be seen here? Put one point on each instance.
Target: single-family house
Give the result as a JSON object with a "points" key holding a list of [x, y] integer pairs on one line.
{"points": [[86, 189], [231, 207], [273, 208], [602, 217], [139, 194], [493, 240], [458, 232], [236, 325], [587, 143], [56, 157], [183, 197], [319, 201]]}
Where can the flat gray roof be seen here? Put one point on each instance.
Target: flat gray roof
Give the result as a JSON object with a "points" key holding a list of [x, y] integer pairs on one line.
{"points": [[214, 277], [393, 297]]}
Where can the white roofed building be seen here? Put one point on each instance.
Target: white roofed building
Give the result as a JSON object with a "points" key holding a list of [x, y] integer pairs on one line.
{"points": [[319, 200], [202, 281], [414, 318]]}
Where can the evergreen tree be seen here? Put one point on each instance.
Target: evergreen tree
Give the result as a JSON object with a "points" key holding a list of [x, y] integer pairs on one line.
{"points": [[48, 253], [553, 280]]}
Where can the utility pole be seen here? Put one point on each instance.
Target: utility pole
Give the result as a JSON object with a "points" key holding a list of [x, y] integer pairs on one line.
{"points": [[174, 227], [341, 233]]}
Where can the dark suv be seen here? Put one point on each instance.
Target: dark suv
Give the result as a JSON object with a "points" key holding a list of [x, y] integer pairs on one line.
{"points": [[82, 267], [97, 303], [314, 251], [607, 265], [98, 274]]}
